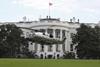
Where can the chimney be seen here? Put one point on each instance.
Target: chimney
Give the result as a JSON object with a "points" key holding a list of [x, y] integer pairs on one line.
{"points": [[78, 20], [47, 17], [74, 20], [70, 20]]}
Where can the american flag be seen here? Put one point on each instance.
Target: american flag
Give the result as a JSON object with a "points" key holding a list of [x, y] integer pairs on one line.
{"points": [[50, 4]]}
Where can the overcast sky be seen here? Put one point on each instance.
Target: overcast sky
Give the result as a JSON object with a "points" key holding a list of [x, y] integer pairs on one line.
{"points": [[85, 10]]}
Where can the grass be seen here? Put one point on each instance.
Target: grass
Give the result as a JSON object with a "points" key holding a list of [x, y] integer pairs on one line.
{"points": [[48, 63]]}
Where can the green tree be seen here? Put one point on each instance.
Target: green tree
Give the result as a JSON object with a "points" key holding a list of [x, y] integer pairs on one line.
{"points": [[69, 55], [88, 42], [10, 40]]}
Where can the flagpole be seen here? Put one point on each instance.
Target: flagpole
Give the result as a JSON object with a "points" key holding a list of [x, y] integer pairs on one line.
{"points": [[49, 8], [50, 4]]}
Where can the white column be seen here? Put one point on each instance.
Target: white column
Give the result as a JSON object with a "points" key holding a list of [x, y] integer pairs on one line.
{"points": [[54, 46], [61, 34], [67, 45], [33, 46], [61, 45], [69, 41], [45, 46], [30, 46], [54, 35], [38, 47], [43, 56]]}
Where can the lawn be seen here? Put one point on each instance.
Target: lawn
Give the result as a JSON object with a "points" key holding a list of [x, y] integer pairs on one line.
{"points": [[48, 63]]}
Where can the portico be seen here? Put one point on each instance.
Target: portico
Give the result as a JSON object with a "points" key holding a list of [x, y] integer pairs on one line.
{"points": [[54, 50], [57, 30]]}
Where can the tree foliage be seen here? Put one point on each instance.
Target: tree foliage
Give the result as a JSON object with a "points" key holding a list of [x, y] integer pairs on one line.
{"points": [[88, 42], [10, 40], [69, 55]]}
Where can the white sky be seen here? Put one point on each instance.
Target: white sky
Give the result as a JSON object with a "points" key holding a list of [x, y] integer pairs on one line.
{"points": [[85, 10]]}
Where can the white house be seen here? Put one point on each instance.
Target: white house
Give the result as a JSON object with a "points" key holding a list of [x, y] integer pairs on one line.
{"points": [[58, 29]]}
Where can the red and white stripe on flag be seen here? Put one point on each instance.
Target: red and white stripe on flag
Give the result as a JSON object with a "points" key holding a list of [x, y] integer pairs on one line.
{"points": [[50, 4]]}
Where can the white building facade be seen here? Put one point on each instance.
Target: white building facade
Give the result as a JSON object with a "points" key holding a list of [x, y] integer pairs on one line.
{"points": [[58, 29]]}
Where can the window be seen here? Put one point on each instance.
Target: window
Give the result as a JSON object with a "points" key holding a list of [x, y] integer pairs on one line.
{"points": [[71, 47], [42, 30], [57, 33], [50, 31], [50, 48], [63, 34], [57, 47], [42, 47]]}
